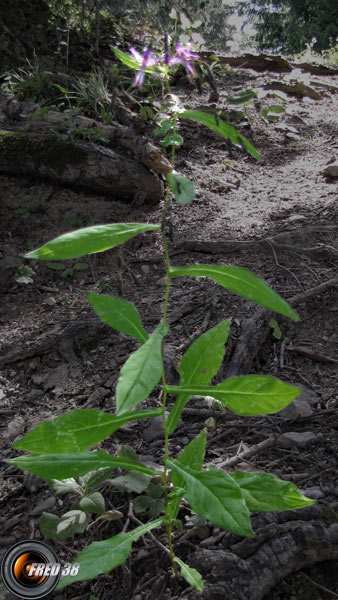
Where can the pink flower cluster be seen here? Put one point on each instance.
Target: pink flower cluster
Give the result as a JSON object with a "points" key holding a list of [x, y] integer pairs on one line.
{"points": [[183, 56]]}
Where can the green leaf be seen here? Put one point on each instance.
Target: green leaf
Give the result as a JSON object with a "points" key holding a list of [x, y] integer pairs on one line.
{"points": [[245, 395], [93, 503], [141, 372], [241, 97], [199, 365], [272, 113], [61, 528], [265, 492], [66, 486], [242, 282], [77, 430], [89, 240], [222, 128], [102, 557], [81, 266], [182, 188], [276, 329], [55, 266], [193, 577], [141, 504], [216, 496], [131, 482], [90, 481], [193, 457], [118, 314], [131, 62], [62, 466], [172, 140]]}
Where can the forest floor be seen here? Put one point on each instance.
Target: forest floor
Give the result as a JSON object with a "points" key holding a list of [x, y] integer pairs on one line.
{"points": [[55, 367]]}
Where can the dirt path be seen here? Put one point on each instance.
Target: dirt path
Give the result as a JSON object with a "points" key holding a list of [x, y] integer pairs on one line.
{"points": [[52, 367]]}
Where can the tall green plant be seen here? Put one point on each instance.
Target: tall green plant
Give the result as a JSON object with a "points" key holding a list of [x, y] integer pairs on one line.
{"points": [[59, 448]]}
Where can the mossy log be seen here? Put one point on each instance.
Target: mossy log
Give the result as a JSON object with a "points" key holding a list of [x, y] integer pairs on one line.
{"points": [[81, 164]]}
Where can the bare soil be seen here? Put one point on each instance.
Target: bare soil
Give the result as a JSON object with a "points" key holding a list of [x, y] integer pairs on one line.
{"points": [[54, 368]]}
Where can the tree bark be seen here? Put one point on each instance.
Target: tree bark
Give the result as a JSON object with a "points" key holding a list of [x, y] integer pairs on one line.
{"points": [[81, 164]]}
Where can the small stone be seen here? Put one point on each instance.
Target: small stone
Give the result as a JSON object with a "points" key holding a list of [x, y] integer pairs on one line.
{"points": [[15, 429], [50, 301], [203, 532], [297, 219], [308, 395], [43, 506], [37, 379], [297, 408], [145, 269], [332, 169], [293, 439], [314, 492], [154, 431]]}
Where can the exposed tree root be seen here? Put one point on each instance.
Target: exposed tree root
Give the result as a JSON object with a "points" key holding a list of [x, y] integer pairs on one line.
{"points": [[285, 543], [255, 329], [282, 242]]}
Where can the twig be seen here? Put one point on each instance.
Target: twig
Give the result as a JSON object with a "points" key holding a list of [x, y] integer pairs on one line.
{"points": [[256, 449], [281, 266], [155, 540], [325, 589]]}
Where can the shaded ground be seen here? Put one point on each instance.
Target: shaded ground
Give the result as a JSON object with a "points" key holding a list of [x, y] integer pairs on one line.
{"points": [[79, 367]]}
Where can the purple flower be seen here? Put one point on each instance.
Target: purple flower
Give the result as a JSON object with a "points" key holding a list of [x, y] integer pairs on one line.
{"points": [[185, 57], [145, 61]]}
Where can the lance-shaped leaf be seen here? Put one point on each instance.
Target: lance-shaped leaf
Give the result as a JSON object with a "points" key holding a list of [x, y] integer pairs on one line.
{"points": [[89, 240], [216, 496], [131, 62], [141, 372], [102, 557], [199, 365], [193, 457], [118, 314], [182, 188], [242, 282], [62, 466], [77, 430], [213, 122], [265, 492], [245, 395], [193, 577]]}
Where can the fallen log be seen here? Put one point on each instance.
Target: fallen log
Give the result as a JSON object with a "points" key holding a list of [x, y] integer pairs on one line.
{"points": [[82, 164]]}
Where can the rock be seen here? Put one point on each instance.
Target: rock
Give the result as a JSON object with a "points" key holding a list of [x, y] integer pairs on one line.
{"points": [[297, 408], [15, 428], [43, 506], [294, 439], [8, 267], [297, 219], [145, 269], [154, 431], [314, 492], [308, 395], [332, 169]]}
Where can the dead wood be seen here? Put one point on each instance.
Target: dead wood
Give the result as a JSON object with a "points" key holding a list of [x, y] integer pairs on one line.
{"points": [[281, 242], [298, 89], [62, 336], [266, 62], [285, 543], [118, 135], [255, 329], [81, 164], [263, 62]]}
